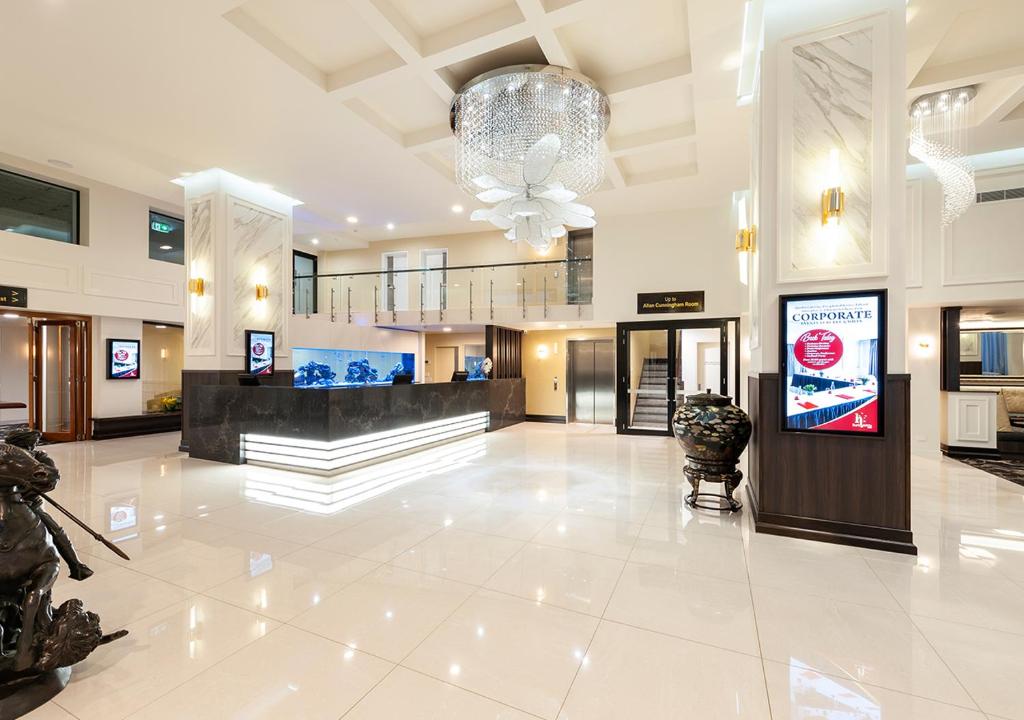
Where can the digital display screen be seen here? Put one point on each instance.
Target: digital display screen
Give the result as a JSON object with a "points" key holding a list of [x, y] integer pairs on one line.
{"points": [[833, 362], [122, 359], [260, 352]]}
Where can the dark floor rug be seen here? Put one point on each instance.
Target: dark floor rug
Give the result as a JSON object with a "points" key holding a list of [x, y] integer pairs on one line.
{"points": [[1007, 469]]}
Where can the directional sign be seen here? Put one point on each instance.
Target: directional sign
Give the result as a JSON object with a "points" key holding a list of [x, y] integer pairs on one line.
{"points": [[13, 296]]}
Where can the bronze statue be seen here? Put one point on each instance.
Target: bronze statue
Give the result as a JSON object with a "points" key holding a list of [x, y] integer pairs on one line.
{"points": [[38, 643]]}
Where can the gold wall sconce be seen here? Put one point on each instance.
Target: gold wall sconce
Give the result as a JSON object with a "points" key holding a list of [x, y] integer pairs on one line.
{"points": [[196, 286], [746, 236], [262, 292], [833, 199]]}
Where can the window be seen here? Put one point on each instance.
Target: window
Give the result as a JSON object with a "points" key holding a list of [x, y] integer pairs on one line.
{"points": [[166, 238], [303, 288], [38, 208]]}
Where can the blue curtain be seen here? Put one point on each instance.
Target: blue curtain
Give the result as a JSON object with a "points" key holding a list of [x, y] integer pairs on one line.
{"points": [[993, 354]]}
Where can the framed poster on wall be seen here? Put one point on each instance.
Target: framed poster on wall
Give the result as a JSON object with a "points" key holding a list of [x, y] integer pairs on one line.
{"points": [[259, 352], [122, 359], [832, 362]]}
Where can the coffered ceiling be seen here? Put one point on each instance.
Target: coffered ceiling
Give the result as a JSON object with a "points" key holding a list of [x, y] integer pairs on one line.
{"points": [[344, 104]]}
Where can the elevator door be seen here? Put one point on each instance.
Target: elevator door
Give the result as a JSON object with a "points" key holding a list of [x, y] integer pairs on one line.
{"points": [[592, 381]]}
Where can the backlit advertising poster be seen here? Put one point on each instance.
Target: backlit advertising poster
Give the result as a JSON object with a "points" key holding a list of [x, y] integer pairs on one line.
{"points": [[122, 359], [833, 362], [260, 352]]}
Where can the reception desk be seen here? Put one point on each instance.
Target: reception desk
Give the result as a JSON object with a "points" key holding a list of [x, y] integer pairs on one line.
{"points": [[332, 430]]}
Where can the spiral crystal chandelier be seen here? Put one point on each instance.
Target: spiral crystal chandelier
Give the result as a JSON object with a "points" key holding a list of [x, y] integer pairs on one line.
{"points": [[529, 138], [938, 138]]}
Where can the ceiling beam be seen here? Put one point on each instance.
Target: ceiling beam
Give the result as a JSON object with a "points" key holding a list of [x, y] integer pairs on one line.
{"points": [[653, 139], [998, 100], [968, 72]]}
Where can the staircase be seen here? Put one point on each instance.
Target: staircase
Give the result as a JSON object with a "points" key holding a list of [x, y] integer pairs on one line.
{"points": [[651, 409]]}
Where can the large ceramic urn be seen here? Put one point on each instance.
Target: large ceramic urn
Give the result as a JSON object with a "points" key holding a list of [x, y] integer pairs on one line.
{"points": [[713, 433]]}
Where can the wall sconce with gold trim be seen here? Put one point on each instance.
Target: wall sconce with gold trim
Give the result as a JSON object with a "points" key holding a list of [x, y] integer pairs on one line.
{"points": [[746, 237], [262, 292], [196, 286], [833, 199]]}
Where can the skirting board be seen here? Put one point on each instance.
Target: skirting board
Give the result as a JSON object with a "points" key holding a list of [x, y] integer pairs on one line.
{"points": [[955, 451], [559, 419], [132, 425], [898, 541]]}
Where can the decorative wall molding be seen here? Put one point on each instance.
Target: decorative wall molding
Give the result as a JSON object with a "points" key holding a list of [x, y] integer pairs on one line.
{"points": [[833, 93], [130, 287], [39, 276], [972, 420], [915, 217], [200, 261], [983, 247]]}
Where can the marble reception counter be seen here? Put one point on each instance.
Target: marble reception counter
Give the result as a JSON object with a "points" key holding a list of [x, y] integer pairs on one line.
{"points": [[331, 430]]}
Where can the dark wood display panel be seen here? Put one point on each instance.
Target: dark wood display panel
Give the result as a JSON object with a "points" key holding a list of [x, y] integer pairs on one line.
{"points": [[841, 489]]}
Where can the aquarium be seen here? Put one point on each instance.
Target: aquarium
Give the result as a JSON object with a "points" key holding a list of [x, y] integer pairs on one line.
{"points": [[348, 368], [474, 366]]}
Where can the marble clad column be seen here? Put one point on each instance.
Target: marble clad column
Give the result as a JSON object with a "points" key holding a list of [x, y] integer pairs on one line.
{"points": [[238, 234], [831, 82]]}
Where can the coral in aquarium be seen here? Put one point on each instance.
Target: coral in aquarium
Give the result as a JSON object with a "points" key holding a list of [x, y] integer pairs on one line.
{"points": [[361, 372], [398, 369], [314, 373]]}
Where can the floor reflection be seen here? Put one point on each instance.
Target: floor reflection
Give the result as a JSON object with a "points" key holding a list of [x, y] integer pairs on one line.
{"points": [[328, 496]]}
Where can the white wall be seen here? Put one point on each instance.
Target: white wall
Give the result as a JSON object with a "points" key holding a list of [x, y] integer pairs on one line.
{"points": [[978, 260], [110, 273], [923, 363], [14, 369], [113, 398], [681, 250]]}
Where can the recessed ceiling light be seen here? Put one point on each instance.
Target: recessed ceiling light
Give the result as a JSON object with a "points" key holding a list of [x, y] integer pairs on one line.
{"points": [[12, 316], [315, 241], [456, 208], [562, 326], [352, 219], [60, 163], [166, 247], [391, 226], [160, 327], [446, 329]]}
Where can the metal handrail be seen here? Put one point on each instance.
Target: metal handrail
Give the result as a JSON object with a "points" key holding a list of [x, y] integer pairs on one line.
{"points": [[448, 268]]}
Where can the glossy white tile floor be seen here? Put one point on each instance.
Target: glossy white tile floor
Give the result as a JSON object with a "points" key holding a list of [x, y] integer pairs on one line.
{"points": [[553, 574]]}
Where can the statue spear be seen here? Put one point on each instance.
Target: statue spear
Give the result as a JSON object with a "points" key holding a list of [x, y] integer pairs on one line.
{"points": [[110, 546]]}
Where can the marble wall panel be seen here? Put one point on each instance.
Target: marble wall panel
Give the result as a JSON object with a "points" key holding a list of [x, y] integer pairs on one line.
{"points": [[832, 108], [257, 240], [200, 325]]}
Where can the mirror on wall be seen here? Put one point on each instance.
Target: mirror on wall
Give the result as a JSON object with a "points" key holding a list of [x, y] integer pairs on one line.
{"points": [[988, 355]]}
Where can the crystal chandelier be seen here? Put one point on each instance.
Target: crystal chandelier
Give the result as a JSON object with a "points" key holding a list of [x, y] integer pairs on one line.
{"points": [[938, 138], [529, 140]]}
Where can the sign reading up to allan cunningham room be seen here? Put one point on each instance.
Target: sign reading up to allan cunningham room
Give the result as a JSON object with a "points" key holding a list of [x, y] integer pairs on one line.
{"points": [[684, 301]]}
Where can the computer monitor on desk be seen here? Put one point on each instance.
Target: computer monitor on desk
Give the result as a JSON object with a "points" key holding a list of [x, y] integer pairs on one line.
{"points": [[460, 376], [402, 379]]}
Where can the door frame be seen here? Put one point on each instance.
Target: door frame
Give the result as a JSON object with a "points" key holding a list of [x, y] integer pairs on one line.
{"points": [[401, 279], [442, 292], [82, 392], [313, 280], [622, 376]]}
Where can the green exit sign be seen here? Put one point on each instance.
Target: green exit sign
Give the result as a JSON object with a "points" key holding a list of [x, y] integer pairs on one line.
{"points": [[161, 227]]}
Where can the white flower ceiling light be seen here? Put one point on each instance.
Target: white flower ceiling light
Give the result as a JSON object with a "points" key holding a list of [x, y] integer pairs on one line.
{"points": [[529, 140], [938, 138]]}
